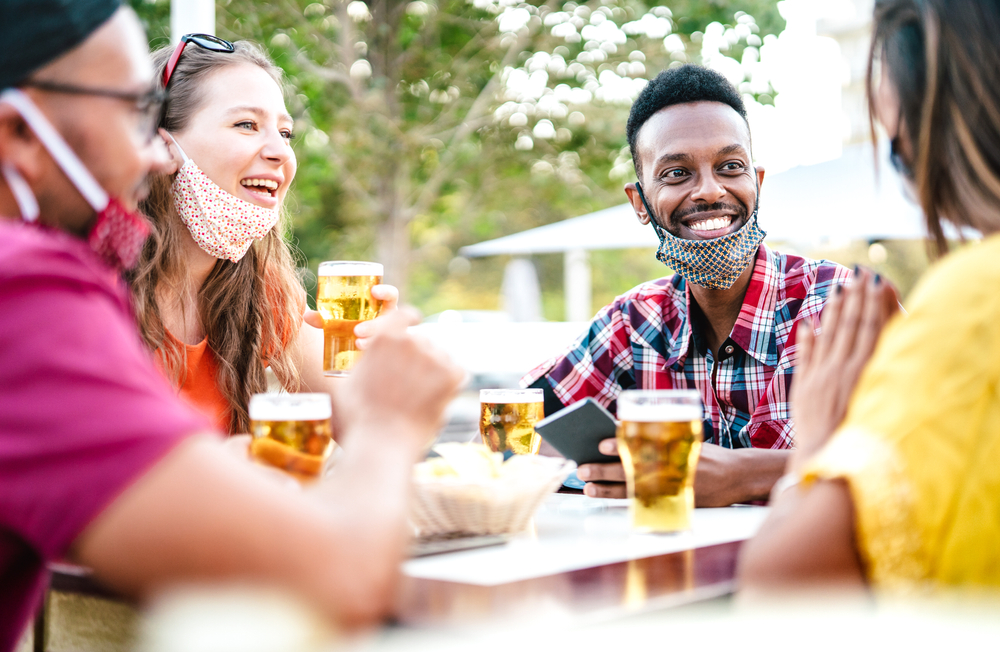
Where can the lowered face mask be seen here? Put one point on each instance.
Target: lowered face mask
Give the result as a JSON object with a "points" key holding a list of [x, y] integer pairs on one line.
{"points": [[118, 233], [714, 264], [221, 223]]}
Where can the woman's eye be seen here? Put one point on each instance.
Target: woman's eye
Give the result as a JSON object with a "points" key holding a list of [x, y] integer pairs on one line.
{"points": [[246, 124], [287, 135]]}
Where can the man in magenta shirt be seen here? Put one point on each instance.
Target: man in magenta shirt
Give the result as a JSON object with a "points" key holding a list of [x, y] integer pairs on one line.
{"points": [[100, 461]]}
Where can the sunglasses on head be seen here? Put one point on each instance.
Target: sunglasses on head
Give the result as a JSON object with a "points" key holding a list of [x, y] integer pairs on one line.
{"points": [[204, 41]]}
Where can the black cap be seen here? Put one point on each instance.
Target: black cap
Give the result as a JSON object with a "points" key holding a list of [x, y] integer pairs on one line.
{"points": [[35, 32]]}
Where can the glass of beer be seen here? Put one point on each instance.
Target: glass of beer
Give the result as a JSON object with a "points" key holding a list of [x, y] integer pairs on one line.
{"points": [[507, 420], [344, 299], [659, 439], [292, 432]]}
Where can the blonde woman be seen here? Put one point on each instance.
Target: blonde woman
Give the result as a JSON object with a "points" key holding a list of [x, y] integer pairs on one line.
{"points": [[216, 292]]}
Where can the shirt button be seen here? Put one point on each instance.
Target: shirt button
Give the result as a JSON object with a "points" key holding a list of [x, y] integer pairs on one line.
{"points": [[729, 349]]}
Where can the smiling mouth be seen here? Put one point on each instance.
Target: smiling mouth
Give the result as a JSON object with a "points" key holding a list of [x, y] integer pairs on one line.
{"points": [[713, 224], [264, 187]]}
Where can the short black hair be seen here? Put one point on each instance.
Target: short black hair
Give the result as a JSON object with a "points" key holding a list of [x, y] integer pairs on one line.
{"points": [[687, 83]]}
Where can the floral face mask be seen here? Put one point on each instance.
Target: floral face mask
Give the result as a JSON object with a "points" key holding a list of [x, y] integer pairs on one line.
{"points": [[714, 264], [118, 233], [221, 223]]}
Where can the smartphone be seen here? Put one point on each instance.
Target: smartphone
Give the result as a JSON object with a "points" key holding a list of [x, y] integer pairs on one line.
{"points": [[575, 431]]}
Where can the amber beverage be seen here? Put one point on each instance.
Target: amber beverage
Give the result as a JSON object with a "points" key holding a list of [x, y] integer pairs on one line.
{"points": [[507, 420], [292, 432], [344, 299], [659, 440]]}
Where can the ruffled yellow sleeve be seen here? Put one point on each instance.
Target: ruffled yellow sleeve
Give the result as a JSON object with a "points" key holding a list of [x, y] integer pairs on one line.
{"points": [[920, 446]]}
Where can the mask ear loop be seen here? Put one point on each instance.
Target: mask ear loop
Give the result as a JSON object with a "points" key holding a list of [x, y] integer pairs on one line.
{"points": [[25, 199], [649, 211], [177, 145], [67, 160]]}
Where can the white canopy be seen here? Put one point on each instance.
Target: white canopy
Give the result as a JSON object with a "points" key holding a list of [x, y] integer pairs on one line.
{"points": [[838, 200], [611, 228]]}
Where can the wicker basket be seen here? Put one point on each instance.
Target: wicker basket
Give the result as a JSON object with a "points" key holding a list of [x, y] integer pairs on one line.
{"points": [[494, 506]]}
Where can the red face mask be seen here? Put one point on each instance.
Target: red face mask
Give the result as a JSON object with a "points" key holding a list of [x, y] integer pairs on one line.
{"points": [[118, 233]]}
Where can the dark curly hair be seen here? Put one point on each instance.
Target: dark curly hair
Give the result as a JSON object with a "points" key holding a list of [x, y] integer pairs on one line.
{"points": [[687, 83]]}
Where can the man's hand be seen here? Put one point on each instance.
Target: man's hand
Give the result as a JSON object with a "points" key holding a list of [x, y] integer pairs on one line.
{"points": [[726, 476], [366, 330], [611, 475], [723, 477], [400, 388], [829, 365]]}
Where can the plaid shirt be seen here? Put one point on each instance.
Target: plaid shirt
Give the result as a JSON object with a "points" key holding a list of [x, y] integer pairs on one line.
{"points": [[644, 340]]}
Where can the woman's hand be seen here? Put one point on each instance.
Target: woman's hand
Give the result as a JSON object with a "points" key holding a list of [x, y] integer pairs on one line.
{"points": [[366, 330], [829, 364]]}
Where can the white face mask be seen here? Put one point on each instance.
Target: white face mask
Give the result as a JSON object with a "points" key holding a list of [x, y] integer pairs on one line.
{"points": [[221, 223], [118, 233]]}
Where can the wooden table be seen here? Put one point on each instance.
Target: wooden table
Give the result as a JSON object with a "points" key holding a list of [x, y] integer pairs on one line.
{"points": [[580, 559]]}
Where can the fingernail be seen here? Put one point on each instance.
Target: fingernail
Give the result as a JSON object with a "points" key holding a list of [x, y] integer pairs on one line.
{"points": [[878, 279], [857, 270], [589, 490], [583, 473], [839, 289]]}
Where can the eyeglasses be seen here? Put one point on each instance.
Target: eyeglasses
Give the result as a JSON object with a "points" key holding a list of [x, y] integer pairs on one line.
{"points": [[897, 160], [204, 41], [147, 104]]}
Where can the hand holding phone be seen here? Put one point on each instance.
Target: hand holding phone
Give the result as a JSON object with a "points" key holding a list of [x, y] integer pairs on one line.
{"points": [[576, 431]]}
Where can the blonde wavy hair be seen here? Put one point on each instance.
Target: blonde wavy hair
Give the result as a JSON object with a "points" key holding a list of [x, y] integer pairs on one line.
{"points": [[250, 310]]}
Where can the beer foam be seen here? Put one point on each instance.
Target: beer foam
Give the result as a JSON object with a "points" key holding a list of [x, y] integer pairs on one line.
{"points": [[511, 396], [659, 413], [290, 407], [350, 268]]}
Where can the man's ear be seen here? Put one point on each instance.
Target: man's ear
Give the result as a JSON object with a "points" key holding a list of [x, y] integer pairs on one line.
{"points": [[759, 169], [636, 201], [19, 146]]}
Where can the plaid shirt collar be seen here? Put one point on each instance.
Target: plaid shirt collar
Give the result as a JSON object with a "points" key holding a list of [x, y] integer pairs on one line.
{"points": [[754, 328]]}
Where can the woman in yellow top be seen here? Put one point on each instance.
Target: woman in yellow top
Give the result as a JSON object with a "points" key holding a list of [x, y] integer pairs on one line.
{"points": [[896, 482], [216, 292]]}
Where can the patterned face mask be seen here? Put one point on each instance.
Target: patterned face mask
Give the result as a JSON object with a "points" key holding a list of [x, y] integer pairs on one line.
{"points": [[118, 233], [222, 224], [714, 264]]}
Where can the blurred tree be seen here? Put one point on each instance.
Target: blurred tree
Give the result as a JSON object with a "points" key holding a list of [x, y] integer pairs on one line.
{"points": [[429, 125]]}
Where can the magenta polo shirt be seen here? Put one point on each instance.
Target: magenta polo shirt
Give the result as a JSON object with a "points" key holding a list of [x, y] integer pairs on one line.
{"points": [[83, 411]]}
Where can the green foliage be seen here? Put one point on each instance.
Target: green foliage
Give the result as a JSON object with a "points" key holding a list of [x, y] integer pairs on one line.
{"points": [[425, 126]]}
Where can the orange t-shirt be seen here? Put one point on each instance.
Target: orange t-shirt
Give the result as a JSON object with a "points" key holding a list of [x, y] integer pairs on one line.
{"points": [[200, 387]]}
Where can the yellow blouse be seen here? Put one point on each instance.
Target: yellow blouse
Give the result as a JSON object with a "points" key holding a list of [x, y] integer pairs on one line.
{"points": [[920, 446]]}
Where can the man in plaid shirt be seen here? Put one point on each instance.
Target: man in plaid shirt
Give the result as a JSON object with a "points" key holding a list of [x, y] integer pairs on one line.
{"points": [[724, 323]]}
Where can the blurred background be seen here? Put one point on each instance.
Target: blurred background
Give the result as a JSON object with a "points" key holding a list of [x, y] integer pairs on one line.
{"points": [[434, 136]]}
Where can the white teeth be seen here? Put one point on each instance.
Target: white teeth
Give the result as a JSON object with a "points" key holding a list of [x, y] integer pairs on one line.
{"points": [[711, 225], [265, 183]]}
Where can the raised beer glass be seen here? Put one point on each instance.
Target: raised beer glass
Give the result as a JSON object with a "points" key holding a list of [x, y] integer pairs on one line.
{"points": [[659, 439], [344, 299], [292, 432], [507, 420]]}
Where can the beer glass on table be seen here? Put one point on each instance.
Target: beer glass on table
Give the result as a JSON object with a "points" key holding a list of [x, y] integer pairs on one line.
{"points": [[344, 299], [507, 420], [659, 439], [292, 432]]}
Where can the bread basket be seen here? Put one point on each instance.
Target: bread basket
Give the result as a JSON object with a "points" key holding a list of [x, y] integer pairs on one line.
{"points": [[503, 504]]}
